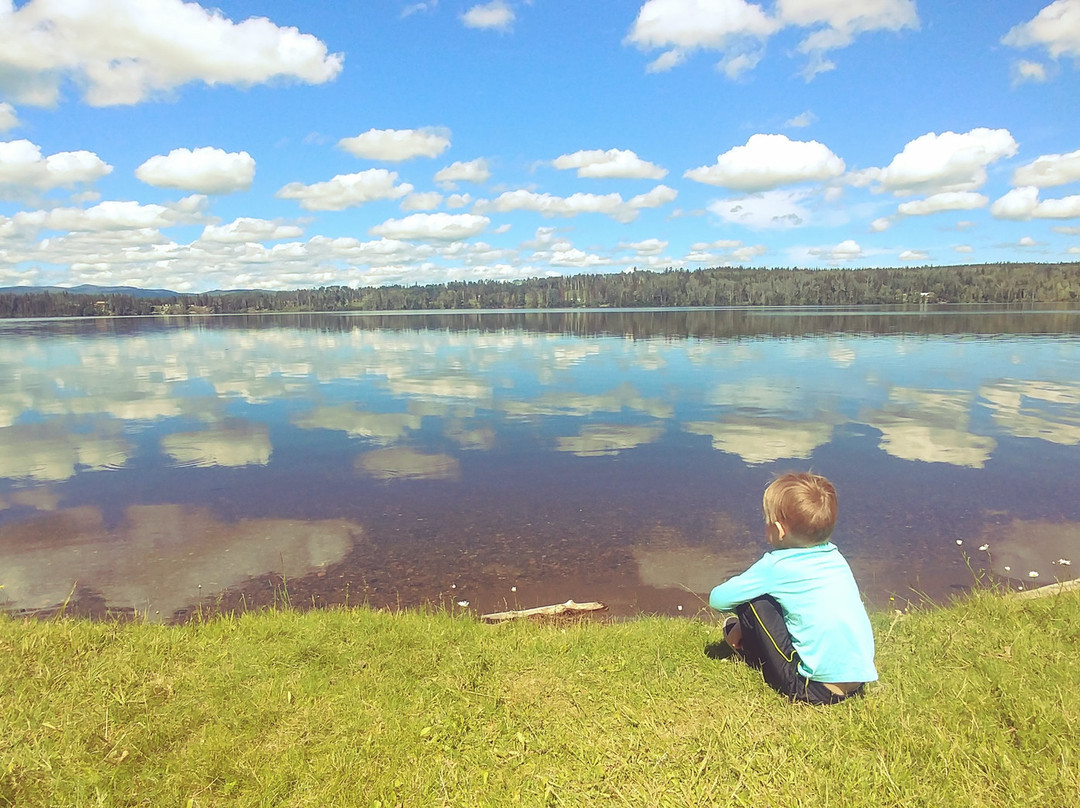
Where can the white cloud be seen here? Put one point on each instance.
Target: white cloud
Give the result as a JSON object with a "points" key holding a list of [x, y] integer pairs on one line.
{"points": [[455, 201], [496, 15], [442, 226], [880, 225], [472, 171], [428, 200], [243, 230], [772, 210], [949, 200], [769, 161], [206, 170], [346, 190], [801, 120], [914, 255], [8, 118], [1024, 71], [396, 145], [114, 215], [1027, 241], [688, 25], [739, 29], [836, 23], [611, 204], [950, 161], [650, 246], [1021, 204], [847, 250], [665, 61], [610, 164], [1056, 27], [963, 248], [1048, 170], [22, 165], [125, 51]]}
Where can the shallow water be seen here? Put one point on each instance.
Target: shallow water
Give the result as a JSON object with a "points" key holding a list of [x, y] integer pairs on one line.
{"points": [[518, 459]]}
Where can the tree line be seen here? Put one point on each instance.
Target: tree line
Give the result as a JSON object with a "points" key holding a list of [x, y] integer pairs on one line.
{"points": [[984, 283]]}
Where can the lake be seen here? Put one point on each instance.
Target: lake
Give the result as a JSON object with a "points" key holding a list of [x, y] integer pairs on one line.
{"points": [[483, 461]]}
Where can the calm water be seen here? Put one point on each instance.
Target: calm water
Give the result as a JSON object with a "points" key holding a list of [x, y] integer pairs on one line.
{"points": [[519, 459]]}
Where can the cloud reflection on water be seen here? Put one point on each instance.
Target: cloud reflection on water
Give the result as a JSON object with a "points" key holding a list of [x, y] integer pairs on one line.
{"points": [[161, 559]]}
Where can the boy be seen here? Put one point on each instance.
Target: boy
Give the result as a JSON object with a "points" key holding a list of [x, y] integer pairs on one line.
{"points": [[800, 619]]}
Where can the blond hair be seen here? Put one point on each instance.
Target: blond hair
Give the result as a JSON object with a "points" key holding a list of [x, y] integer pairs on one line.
{"points": [[804, 503]]}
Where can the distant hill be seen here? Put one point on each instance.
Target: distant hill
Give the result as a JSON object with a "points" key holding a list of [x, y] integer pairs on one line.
{"points": [[89, 289]]}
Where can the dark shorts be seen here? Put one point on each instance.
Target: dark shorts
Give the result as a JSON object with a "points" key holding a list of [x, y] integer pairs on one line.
{"points": [[766, 645]]}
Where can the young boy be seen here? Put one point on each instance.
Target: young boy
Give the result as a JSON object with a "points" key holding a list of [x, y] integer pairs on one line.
{"points": [[800, 619]]}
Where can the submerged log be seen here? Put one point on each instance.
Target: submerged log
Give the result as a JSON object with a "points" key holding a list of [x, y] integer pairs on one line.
{"points": [[570, 607]]}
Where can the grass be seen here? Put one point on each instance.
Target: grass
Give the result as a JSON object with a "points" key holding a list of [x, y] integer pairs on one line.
{"points": [[978, 704]]}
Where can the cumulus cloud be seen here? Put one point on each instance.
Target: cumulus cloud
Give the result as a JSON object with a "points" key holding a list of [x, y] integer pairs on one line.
{"points": [[801, 120], [769, 161], [472, 171], [1021, 204], [772, 210], [612, 204], [428, 200], [914, 255], [346, 190], [396, 145], [114, 215], [125, 51], [495, 15], [8, 118], [1024, 71], [950, 161], [1056, 27], [610, 164], [205, 170], [949, 200], [1049, 170], [683, 26], [738, 29], [836, 23], [243, 230], [847, 250], [442, 226], [23, 166]]}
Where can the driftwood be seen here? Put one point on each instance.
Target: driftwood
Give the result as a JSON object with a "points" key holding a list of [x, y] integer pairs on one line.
{"points": [[570, 607], [1051, 589]]}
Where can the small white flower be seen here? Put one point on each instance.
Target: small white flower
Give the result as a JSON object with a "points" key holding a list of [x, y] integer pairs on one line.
{"points": [[513, 589], [1033, 574], [453, 586], [463, 603], [959, 542], [680, 608], [1064, 562], [1008, 569], [984, 547]]}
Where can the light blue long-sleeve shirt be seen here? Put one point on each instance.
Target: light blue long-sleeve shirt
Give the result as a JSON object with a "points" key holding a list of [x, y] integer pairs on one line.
{"points": [[823, 611]]}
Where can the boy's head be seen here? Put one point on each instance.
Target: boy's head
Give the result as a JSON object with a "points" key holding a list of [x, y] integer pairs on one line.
{"points": [[804, 506]]}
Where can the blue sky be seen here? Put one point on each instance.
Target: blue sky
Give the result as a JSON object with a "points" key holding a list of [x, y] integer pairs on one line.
{"points": [[281, 144]]}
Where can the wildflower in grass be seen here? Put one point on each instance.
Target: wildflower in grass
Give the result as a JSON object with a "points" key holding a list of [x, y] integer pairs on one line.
{"points": [[1063, 562], [984, 547], [1033, 574], [513, 589], [463, 603], [959, 542]]}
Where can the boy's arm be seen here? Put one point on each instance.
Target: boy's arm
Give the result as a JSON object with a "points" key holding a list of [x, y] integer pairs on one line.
{"points": [[745, 586]]}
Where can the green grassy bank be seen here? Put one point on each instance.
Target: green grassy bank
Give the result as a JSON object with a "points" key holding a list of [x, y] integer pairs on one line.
{"points": [[978, 704]]}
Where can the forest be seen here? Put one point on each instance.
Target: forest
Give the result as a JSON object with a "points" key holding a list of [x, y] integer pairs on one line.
{"points": [[1008, 283]]}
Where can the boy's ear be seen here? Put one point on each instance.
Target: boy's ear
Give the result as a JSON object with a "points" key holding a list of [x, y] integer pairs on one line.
{"points": [[781, 530]]}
